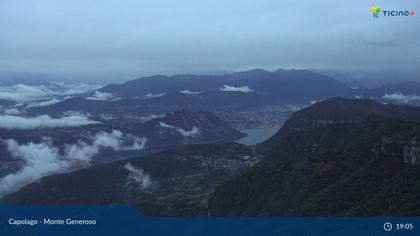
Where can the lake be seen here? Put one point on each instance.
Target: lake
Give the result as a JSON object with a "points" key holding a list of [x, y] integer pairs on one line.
{"points": [[257, 135]]}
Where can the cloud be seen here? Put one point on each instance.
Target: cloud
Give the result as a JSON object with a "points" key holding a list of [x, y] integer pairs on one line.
{"points": [[79, 88], [99, 96], [42, 159], [136, 41], [151, 95], [144, 118], [115, 140], [44, 103], [150, 117], [136, 177], [21, 92], [104, 116], [399, 97], [43, 121], [77, 113], [194, 132], [164, 125], [189, 92], [138, 143], [243, 89], [25, 93], [12, 111]]}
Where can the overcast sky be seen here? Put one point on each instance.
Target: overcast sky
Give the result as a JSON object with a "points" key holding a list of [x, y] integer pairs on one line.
{"points": [[167, 37]]}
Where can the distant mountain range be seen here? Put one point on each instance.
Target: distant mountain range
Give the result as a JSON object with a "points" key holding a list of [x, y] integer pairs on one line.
{"points": [[407, 88], [249, 90], [242, 91], [337, 157], [277, 87], [372, 78]]}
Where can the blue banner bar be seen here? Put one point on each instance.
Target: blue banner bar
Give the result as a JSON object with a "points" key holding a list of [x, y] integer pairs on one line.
{"points": [[126, 220]]}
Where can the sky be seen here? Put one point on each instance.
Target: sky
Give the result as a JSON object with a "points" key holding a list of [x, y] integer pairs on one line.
{"points": [[143, 37]]}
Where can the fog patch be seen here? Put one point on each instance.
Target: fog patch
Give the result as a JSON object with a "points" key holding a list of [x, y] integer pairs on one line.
{"points": [[150, 117], [106, 117], [188, 92], [151, 95], [399, 97], [79, 88], [99, 96], [167, 126], [12, 111], [42, 159], [77, 113], [194, 132], [44, 103], [138, 179], [43, 121], [26, 93], [115, 140], [21, 92], [243, 89]]}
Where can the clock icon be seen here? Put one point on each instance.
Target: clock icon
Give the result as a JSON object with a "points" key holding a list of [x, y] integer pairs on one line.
{"points": [[387, 226]]}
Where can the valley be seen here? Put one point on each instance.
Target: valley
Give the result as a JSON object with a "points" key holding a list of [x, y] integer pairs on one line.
{"points": [[283, 143]]}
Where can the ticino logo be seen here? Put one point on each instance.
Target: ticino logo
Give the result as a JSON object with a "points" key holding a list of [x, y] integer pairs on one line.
{"points": [[376, 11]]}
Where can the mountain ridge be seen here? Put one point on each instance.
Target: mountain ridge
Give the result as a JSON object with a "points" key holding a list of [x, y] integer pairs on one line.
{"points": [[364, 169], [340, 110]]}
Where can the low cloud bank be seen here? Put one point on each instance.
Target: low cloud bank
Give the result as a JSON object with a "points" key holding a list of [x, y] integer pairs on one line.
{"points": [[189, 92], [42, 159], [151, 95], [399, 97], [44, 103], [26, 93], [99, 96], [115, 140], [151, 117], [79, 88], [194, 132], [43, 121], [12, 111], [243, 89], [21, 92]]}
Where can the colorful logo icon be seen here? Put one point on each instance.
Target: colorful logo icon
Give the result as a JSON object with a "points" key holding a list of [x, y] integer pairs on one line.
{"points": [[402, 12], [375, 11]]}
